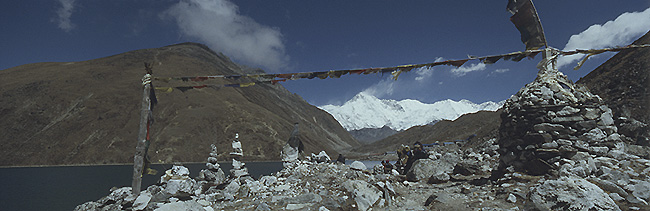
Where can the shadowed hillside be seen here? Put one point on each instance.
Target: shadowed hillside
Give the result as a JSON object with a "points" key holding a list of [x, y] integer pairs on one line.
{"points": [[88, 112], [623, 82], [483, 123]]}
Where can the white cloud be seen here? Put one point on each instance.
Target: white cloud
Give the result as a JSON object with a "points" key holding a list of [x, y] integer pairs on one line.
{"points": [[622, 31], [426, 72], [461, 71], [423, 73], [63, 15], [382, 89], [219, 25], [501, 70]]}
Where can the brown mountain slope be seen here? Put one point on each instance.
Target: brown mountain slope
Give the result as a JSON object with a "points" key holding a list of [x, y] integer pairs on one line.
{"points": [[88, 112], [483, 123], [624, 82]]}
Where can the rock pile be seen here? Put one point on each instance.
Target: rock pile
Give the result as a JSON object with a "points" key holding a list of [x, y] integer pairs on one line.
{"points": [[551, 119], [213, 174], [555, 128], [238, 168], [307, 186]]}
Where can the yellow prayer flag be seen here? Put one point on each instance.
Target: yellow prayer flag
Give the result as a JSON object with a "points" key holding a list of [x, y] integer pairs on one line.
{"points": [[247, 84], [164, 89]]}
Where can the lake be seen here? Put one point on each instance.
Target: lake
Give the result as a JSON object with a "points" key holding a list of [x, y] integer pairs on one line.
{"points": [[65, 187]]}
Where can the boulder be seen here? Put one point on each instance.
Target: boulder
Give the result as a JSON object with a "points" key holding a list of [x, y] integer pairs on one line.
{"points": [[268, 180], [322, 157], [142, 201], [642, 190], [364, 194], [358, 165], [439, 178], [182, 188], [176, 172], [569, 193], [609, 187], [117, 196], [424, 169], [467, 167]]}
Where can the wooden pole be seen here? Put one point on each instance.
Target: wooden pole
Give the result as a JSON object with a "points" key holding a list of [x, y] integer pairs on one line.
{"points": [[143, 142]]}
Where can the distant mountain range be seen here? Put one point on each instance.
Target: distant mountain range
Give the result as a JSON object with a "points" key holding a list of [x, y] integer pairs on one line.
{"points": [[367, 111]]}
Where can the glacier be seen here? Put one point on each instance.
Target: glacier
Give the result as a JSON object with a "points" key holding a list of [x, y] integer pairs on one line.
{"points": [[367, 111]]}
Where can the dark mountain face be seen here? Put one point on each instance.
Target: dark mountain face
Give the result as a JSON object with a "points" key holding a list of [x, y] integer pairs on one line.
{"points": [[88, 112], [623, 82], [483, 124], [370, 135]]}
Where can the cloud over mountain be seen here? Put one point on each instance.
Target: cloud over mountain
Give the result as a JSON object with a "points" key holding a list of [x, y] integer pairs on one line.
{"points": [[623, 30], [219, 25]]}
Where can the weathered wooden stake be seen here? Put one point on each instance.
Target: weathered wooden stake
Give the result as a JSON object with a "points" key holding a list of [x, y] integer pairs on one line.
{"points": [[143, 142]]}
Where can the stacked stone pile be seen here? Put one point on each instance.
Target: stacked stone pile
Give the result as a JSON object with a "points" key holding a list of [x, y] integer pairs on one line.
{"points": [[561, 131], [238, 168], [551, 119], [213, 174]]}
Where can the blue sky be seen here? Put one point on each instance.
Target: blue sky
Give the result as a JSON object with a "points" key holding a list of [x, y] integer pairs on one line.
{"points": [[301, 36]]}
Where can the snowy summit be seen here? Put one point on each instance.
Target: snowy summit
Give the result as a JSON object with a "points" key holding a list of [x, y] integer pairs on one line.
{"points": [[367, 111]]}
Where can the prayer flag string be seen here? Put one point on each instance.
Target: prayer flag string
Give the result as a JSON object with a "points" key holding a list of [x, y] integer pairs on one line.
{"points": [[394, 71]]}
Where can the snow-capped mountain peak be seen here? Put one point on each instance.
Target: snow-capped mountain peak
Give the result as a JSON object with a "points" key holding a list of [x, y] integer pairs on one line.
{"points": [[367, 111]]}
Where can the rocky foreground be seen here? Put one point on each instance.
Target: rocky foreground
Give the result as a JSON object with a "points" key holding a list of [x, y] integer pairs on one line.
{"points": [[559, 147], [450, 179]]}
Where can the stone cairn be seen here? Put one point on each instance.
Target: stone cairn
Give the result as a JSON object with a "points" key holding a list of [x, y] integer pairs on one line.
{"points": [[238, 168], [291, 153], [552, 119], [213, 174]]}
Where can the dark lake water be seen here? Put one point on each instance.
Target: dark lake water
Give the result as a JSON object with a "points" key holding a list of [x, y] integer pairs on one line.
{"points": [[65, 187]]}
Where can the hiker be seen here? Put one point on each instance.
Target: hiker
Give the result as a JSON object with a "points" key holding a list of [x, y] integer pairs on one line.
{"points": [[388, 168], [403, 153], [340, 159], [294, 140], [417, 153]]}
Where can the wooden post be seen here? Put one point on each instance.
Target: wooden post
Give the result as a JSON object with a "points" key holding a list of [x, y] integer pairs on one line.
{"points": [[143, 142], [548, 65]]}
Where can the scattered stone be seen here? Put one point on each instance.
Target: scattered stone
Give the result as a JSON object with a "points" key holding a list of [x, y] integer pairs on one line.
{"points": [[511, 198]]}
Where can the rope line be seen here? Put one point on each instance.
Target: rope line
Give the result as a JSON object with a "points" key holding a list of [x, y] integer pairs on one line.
{"points": [[395, 71]]}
